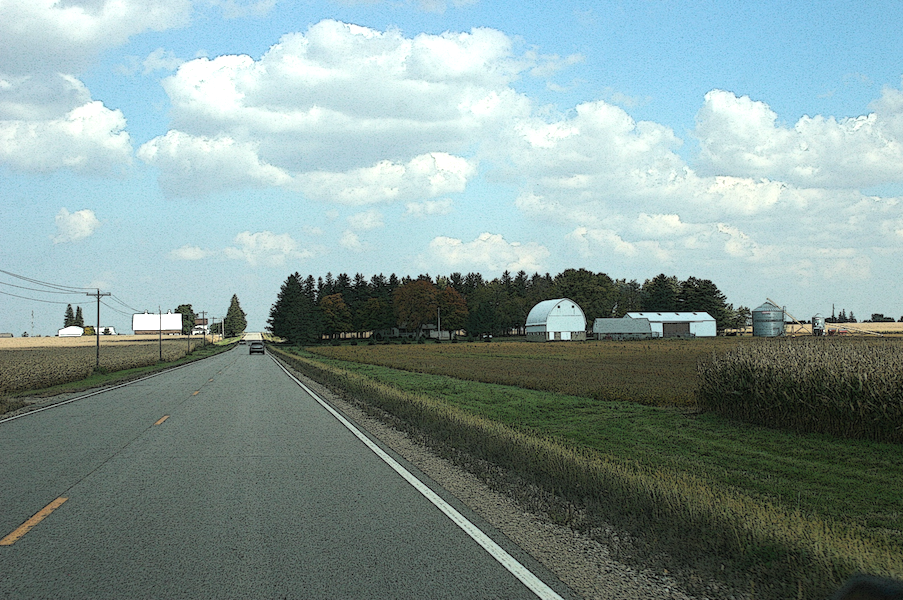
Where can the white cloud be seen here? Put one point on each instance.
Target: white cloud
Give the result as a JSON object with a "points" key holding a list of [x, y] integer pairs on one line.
{"points": [[189, 252], [194, 166], [372, 219], [265, 247], [428, 175], [489, 252], [350, 241], [72, 227], [47, 36], [88, 139], [742, 137], [401, 132], [428, 208], [161, 60]]}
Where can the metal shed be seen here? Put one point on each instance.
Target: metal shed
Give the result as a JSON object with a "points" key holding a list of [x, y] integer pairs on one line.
{"points": [[679, 324], [556, 320], [623, 329]]}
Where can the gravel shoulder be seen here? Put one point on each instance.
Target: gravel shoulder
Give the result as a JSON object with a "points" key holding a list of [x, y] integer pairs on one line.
{"points": [[585, 561]]}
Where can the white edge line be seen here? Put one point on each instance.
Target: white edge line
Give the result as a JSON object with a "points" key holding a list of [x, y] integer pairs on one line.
{"points": [[94, 393], [534, 583]]}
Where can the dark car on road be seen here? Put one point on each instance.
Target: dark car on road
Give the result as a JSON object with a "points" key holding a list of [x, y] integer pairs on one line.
{"points": [[256, 347]]}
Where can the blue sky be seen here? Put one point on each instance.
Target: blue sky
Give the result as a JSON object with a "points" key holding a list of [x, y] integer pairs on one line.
{"points": [[195, 150]]}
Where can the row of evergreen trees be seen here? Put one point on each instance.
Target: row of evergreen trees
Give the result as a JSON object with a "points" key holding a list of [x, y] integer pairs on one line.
{"points": [[73, 318], [307, 309]]}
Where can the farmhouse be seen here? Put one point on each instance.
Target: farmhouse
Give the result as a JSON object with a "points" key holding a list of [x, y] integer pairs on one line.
{"points": [[556, 320], [623, 329], [71, 331], [679, 324], [153, 323]]}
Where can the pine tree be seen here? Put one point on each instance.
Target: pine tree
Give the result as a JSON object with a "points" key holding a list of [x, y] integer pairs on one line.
{"points": [[79, 318], [235, 322], [69, 318], [294, 317]]}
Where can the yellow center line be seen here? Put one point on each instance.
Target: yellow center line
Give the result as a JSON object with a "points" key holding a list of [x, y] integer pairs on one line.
{"points": [[163, 418], [196, 393], [30, 523]]}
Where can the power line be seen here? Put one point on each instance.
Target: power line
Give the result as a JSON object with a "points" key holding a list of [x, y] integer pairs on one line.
{"points": [[131, 308], [22, 287], [44, 301], [56, 286]]}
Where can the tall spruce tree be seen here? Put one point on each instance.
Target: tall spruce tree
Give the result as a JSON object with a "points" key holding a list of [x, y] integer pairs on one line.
{"points": [[69, 317], [294, 316], [79, 317], [235, 322]]}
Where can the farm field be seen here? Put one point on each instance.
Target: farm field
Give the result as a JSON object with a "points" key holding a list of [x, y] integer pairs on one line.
{"points": [[656, 372], [814, 495], [37, 363]]}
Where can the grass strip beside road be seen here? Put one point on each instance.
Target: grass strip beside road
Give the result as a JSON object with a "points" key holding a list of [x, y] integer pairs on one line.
{"points": [[783, 511]]}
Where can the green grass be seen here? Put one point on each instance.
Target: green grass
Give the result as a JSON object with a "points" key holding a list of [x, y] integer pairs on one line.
{"points": [[784, 511], [853, 480]]}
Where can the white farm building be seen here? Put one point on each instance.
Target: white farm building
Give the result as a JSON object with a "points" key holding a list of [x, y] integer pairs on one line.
{"points": [[170, 324], [71, 331], [556, 320], [679, 324]]}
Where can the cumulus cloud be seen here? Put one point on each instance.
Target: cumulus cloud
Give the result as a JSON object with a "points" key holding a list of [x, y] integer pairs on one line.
{"points": [[399, 133], [48, 120], [490, 252], [195, 165], [189, 252], [372, 219], [72, 227], [742, 137], [428, 208], [88, 139], [47, 36], [266, 248]]}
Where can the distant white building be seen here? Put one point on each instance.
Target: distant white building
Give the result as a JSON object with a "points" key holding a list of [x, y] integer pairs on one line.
{"points": [[71, 331], [147, 323], [679, 324], [556, 320]]}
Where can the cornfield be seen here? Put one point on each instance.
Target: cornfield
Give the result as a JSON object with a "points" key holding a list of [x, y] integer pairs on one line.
{"points": [[40, 367], [840, 387]]}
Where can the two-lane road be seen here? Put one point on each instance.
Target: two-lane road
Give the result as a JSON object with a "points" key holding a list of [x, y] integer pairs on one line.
{"points": [[225, 479]]}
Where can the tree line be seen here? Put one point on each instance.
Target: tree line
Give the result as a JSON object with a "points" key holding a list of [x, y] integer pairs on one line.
{"points": [[308, 310]]}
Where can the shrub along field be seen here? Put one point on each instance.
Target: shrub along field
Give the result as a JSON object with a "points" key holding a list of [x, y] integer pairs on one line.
{"points": [[792, 514]]}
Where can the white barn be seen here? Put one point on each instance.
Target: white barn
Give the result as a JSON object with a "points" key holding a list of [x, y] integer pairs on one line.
{"points": [[679, 324], [171, 324], [556, 320], [71, 331]]}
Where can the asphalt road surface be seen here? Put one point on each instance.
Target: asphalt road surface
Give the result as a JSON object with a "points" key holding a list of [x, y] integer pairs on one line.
{"points": [[226, 479]]}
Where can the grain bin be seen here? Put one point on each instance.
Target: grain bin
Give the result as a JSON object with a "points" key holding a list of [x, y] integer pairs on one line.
{"points": [[818, 325], [768, 320]]}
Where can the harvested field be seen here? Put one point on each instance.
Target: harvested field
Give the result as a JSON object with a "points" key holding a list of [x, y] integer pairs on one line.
{"points": [[658, 373], [35, 363]]}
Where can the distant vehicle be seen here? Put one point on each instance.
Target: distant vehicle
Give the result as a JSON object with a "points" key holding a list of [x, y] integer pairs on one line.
{"points": [[256, 347], [242, 342]]}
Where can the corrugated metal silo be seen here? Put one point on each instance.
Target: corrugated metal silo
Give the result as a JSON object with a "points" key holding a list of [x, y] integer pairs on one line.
{"points": [[818, 324], [768, 320]]}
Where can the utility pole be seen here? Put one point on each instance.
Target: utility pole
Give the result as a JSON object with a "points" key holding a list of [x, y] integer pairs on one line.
{"points": [[97, 295], [160, 327], [204, 319]]}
